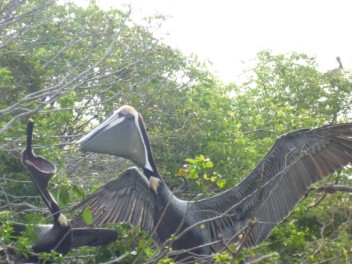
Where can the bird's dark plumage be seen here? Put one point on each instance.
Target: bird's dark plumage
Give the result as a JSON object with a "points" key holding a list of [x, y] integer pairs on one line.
{"points": [[124, 199], [253, 207], [59, 236]]}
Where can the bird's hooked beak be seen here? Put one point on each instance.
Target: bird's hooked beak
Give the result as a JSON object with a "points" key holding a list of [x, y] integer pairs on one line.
{"points": [[41, 170], [120, 135]]}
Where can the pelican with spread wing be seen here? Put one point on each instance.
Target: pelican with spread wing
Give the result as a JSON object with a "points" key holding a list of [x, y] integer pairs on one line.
{"points": [[252, 208]]}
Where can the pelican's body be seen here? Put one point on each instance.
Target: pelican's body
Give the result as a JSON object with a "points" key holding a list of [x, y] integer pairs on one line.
{"points": [[245, 213]]}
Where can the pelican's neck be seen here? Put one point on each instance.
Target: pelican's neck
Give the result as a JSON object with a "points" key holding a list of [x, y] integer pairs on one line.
{"points": [[149, 173], [59, 218], [157, 183], [339, 62], [149, 169]]}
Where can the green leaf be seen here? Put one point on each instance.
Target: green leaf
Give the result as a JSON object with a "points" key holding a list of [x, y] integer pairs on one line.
{"points": [[193, 175], [221, 183], [208, 164], [200, 158], [190, 161], [87, 216]]}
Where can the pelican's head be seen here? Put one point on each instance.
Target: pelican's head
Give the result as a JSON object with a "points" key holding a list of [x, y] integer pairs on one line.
{"points": [[122, 134]]}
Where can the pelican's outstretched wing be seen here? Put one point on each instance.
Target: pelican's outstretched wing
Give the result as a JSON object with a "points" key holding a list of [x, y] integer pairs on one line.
{"points": [[276, 185], [128, 198]]}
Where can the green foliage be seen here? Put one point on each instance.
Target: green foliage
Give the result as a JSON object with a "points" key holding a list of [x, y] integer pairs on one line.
{"points": [[22, 244], [5, 227], [223, 258], [198, 169], [70, 67], [53, 256], [87, 216]]}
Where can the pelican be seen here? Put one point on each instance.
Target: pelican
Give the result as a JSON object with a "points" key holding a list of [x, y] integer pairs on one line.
{"points": [[59, 236], [338, 59], [335, 71], [243, 214]]}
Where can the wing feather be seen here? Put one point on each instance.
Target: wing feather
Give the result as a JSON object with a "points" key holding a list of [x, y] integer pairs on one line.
{"points": [[276, 185], [127, 198]]}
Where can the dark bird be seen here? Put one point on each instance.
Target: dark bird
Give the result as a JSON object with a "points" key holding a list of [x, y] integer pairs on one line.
{"points": [[335, 71], [59, 236], [338, 59], [244, 214]]}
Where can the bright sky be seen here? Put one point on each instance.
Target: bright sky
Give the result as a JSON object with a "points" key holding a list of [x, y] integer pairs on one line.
{"points": [[227, 32]]}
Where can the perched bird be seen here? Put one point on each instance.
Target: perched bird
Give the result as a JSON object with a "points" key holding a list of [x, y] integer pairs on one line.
{"points": [[59, 236], [334, 72], [244, 214], [338, 59]]}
